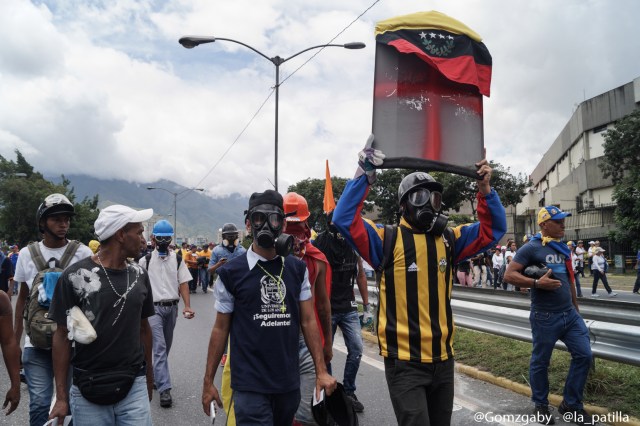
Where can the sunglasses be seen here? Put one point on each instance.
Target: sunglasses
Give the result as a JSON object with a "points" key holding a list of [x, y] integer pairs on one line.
{"points": [[421, 196], [259, 218]]}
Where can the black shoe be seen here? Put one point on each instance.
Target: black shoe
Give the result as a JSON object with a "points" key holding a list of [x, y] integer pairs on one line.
{"points": [[574, 415], [357, 405], [165, 398], [23, 378], [544, 416]]}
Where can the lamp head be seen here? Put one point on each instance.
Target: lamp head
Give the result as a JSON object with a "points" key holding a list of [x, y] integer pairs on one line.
{"points": [[355, 45], [189, 42]]}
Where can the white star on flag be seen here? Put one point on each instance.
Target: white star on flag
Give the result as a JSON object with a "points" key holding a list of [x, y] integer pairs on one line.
{"points": [[450, 38], [432, 35], [440, 36], [422, 35]]}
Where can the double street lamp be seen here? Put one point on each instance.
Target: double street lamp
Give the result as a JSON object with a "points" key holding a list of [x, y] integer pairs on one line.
{"points": [[190, 42], [175, 203]]}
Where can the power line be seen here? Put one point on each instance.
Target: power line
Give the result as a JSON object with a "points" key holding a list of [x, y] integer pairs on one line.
{"points": [[271, 93]]}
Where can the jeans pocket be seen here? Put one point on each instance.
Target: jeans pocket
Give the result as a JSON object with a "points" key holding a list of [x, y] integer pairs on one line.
{"points": [[542, 317]]}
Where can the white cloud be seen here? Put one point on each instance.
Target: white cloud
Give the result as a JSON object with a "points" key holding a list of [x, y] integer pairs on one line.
{"points": [[103, 87]]}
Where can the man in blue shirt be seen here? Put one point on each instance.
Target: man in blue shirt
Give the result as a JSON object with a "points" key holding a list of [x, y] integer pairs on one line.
{"points": [[636, 286], [554, 316]]}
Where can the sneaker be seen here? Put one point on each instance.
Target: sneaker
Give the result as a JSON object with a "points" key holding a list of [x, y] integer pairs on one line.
{"points": [[223, 360], [613, 294], [595, 295], [357, 405], [543, 415], [574, 415], [165, 398]]}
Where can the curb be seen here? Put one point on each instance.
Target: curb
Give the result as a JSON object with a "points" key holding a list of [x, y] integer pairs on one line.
{"points": [[555, 400]]}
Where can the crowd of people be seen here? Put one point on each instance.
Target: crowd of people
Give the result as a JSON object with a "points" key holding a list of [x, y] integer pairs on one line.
{"points": [[99, 318]]}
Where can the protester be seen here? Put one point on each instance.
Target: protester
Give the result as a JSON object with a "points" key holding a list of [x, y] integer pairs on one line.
{"points": [[6, 275], [203, 265], [416, 343], [465, 277], [497, 260], [297, 214], [554, 314], [53, 219], [346, 268], [169, 279], [191, 259], [575, 262], [14, 255], [599, 268], [115, 296], [262, 299], [580, 253], [10, 353], [479, 270], [229, 249]]}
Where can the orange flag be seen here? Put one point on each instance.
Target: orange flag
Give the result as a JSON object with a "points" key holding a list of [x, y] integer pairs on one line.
{"points": [[329, 202]]}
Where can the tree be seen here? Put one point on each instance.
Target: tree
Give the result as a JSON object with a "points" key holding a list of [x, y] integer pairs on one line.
{"points": [[620, 162], [21, 192], [384, 194]]}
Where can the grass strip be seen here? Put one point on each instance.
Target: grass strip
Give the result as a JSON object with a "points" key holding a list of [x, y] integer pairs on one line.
{"points": [[612, 385]]}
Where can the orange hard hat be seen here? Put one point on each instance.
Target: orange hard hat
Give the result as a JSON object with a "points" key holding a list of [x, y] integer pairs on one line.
{"points": [[296, 208]]}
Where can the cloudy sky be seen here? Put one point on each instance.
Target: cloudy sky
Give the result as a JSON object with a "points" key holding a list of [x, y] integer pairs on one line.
{"points": [[102, 87]]}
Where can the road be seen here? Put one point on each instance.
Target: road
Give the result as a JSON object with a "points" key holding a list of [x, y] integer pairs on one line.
{"points": [[187, 360]]}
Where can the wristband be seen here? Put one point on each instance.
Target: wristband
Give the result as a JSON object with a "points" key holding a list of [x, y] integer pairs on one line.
{"points": [[535, 283]]}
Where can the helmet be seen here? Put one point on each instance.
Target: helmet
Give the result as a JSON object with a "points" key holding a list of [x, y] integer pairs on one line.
{"points": [[229, 228], [52, 205], [296, 208], [415, 180], [163, 228]]}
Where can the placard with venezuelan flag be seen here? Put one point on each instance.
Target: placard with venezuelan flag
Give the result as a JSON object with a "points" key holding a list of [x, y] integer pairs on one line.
{"points": [[430, 74]]}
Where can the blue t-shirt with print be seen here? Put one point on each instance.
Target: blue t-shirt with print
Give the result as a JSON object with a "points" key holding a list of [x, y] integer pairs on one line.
{"points": [[558, 300]]}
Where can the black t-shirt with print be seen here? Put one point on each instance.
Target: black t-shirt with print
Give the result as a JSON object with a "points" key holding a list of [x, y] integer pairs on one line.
{"points": [[116, 319]]}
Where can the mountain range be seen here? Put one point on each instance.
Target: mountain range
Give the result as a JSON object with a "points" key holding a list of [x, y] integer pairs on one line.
{"points": [[199, 216]]}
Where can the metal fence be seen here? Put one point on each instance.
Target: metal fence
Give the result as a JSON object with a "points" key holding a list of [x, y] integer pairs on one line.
{"points": [[614, 327]]}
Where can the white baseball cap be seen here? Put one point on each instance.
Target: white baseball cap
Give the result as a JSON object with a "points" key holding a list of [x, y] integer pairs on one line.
{"points": [[113, 218]]}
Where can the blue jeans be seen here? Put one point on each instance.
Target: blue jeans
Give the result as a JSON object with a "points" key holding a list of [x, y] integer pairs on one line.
{"points": [[275, 409], [133, 410], [38, 370], [349, 324], [547, 328], [636, 286], [162, 325], [578, 289], [203, 275]]}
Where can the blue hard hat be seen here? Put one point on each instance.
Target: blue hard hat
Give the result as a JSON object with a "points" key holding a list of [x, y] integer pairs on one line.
{"points": [[163, 228]]}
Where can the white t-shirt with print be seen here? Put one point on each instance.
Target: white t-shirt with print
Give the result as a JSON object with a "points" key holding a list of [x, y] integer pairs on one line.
{"points": [[26, 270]]}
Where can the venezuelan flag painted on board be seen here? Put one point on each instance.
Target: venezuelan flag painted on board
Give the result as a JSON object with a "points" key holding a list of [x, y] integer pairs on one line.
{"points": [[444, 43]]}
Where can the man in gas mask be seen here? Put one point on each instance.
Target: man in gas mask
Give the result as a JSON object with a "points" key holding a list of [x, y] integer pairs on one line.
{"points": [[169, 278], [263, 299], [415, 259]]}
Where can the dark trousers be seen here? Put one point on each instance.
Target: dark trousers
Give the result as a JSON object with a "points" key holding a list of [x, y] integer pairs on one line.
{"points": [[193, 284], [497, 280], [421, 393], [597, 275], [636, 286], [259, 409]]}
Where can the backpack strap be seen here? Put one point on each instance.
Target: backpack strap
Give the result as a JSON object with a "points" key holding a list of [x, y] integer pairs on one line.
{"points": [[69, 252], [451, 246], [388, 243], [147, 257], [37, 257]]}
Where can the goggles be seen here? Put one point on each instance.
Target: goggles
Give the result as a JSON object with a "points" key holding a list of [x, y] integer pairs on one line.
{"points": [[421, 196], [259, 218], [165, 239]]}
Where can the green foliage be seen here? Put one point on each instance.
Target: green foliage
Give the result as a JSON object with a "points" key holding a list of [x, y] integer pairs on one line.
{"points": [[21, 192], [384, 194], [313, 191], [620, 162]]}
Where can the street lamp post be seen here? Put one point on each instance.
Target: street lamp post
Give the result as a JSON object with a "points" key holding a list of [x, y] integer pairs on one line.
{"points": [[175, 203], [189, 42]]}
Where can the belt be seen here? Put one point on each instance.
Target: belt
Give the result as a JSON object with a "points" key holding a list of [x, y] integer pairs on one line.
{"points": [[168, 303]]}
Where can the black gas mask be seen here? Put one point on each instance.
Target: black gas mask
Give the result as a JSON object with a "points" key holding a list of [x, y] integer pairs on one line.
{"points": [[422, 210], [266, 227], [162, 244], [230, 241]]}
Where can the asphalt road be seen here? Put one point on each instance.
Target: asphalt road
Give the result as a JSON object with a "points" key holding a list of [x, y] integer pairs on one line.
{"points": [[476, 402]]}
